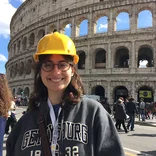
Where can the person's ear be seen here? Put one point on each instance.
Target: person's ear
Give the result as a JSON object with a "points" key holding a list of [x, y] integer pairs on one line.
{"points": [[72, 72]]}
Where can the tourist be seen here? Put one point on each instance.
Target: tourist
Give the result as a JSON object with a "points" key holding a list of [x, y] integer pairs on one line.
{"points": [[60, 121]]}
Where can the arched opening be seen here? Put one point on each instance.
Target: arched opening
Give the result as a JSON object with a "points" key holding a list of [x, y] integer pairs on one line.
{"points": [[100, 91], [143, 16], [100, 59], [102, 25], [41, 33], [122, 22], [26, 92], [67, 30], [24, 43], [122, 58], [82, 57], [31, 40], [83, 28], [120, 91], [145, 58]]}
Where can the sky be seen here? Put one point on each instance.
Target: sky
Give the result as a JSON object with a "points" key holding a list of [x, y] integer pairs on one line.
{"points": [[8, 8]]}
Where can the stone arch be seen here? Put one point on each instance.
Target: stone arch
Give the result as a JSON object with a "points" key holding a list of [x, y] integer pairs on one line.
{"points": [[21, 68], [145, 52], [14, 48], [118, 10], [82, 58], [11, 71], [26, 92], [100, 58], [120, 91], [41, 33], [31, 39], [121, 57], [99, 90], [51, 28], [19, 46], [63, 25], [124, 23], [28, 67], [24, 43], [142, 17], [19, 91], [79, 20], [96, 20], [144, 7], [15, 69]]}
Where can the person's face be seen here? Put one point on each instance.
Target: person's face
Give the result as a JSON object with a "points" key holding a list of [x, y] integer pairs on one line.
{"points": [[56, 80]]}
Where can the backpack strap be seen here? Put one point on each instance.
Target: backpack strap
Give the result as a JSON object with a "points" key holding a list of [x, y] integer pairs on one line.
{"points": [[43, 135]]}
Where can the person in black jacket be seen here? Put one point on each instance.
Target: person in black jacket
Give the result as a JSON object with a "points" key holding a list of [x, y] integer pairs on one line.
{"points": [[60, 121], [5, 102], [106, 105], [131, 110], [120, 114]]}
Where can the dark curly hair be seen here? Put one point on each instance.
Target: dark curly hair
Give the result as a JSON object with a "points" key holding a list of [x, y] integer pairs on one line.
{"points": [[5, 96], [72, 93]]}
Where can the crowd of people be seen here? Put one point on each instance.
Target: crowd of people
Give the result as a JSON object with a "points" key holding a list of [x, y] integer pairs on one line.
{"points": [[129, 109]]}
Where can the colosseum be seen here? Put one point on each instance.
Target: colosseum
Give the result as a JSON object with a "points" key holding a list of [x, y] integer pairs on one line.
{"points": [[109, 61]]}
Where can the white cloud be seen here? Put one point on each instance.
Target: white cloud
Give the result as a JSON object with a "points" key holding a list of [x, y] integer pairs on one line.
{"points": [[103, 26], [6, 12], [19, 0], [67, 26], [22, 1], [3, 58]]}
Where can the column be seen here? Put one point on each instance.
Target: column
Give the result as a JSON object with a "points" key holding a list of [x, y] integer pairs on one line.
{"points": [[111, 22], [108, 92], [90, 23], [133, 19], [73, 28], [133, 55], [109, 57]]}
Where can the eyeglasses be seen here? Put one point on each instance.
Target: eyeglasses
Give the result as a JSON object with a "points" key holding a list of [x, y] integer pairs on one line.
{"points": [[62, 66]]}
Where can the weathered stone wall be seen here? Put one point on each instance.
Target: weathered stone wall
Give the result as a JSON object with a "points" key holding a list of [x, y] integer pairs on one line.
{"points": [[34, 18]]}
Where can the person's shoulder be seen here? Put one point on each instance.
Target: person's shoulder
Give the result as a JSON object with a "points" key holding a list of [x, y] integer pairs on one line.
{"points": [[90, 101], [91, 104], [30, 115]]}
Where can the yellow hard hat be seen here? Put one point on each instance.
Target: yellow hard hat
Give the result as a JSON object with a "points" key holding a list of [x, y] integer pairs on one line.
{"points": [[56, 43]]}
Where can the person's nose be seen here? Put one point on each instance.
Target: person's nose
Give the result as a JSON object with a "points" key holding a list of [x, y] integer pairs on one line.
{"points": [[56, 69]]}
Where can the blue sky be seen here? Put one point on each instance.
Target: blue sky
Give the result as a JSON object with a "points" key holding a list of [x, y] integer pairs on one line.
{"points": [[8, 8]]}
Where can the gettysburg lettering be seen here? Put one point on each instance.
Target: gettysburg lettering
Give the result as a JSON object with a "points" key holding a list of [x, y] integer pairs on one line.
{"points": [[70, 131]]}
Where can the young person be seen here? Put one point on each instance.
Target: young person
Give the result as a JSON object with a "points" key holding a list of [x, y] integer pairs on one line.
{"points": [[11, 121], [131, 111], [5, 100], [120, 115], [74, 125]]}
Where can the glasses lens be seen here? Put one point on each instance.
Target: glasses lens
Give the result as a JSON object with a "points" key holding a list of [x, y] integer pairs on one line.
{"points": [[63, 66], [47, 66]]}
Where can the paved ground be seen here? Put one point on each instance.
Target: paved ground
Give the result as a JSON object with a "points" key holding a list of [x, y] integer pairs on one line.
{"points": [[148, 122], [19, 111]]}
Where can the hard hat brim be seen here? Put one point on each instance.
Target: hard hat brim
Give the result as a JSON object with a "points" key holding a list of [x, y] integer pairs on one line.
{"points": [[36, 55]]}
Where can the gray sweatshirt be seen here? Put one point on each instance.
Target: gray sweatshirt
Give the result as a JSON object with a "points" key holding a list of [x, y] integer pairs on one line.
{"points": [[86, 130]]}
